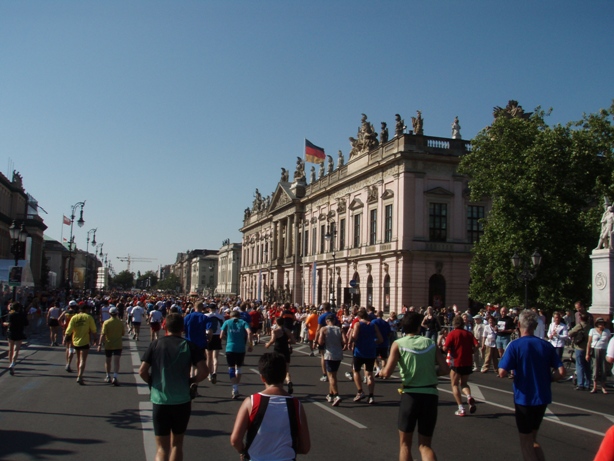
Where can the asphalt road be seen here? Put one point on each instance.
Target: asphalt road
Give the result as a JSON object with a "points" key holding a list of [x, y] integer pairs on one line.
{"points": [[45, 415]]}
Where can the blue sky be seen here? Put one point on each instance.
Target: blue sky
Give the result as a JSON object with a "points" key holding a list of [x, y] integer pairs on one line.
{"points": [[165, 116]]}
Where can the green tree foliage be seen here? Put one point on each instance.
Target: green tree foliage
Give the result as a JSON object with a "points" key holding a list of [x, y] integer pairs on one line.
{"points": [[171, 282], [146, 280], [547, 186], [123, 280]]}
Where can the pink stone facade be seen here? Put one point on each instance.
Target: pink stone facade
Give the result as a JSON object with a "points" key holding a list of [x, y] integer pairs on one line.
{"points": [[396, 220]]}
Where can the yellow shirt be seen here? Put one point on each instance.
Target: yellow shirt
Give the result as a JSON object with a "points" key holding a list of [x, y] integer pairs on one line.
{"points": [[113, 330], [80, 326]]}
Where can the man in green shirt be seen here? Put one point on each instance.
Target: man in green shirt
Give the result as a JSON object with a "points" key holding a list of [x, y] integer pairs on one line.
{"points": [[81, 329], [418, 358], [111, 336], [166, 368]]}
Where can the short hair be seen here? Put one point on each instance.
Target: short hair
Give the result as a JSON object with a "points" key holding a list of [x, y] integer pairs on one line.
{"points": [[527, 320], [272, 367], [411, 322], [15, 307], [362, 313], [174, 323], [458, 322], [279, 321]]}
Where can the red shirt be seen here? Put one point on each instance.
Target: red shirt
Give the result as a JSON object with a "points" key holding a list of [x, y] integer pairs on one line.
{"points": [[256, 318], [460, 343]]}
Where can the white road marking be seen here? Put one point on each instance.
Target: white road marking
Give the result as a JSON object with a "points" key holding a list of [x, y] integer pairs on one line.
{"points": [[149, 440], [556, 421], [337, 414], [551, 416]]}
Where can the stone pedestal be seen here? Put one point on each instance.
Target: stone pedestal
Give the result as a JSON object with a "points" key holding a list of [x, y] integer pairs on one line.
{"points": [[603, 283]]}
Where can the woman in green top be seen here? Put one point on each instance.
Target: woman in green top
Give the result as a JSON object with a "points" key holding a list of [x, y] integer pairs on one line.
{"points": [[420, 362]]}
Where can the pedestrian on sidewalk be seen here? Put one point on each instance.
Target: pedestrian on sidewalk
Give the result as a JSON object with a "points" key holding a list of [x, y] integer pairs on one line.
{"points": [[16, 323]]}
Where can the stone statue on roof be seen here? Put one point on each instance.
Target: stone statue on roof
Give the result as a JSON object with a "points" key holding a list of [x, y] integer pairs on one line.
{"points": [[331, 166], [456, 129], [399, 127], [285, 175], [366, 138], [340, 159], [299, 173], [417, 123]]}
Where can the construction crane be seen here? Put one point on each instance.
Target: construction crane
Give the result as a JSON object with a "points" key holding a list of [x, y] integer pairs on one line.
{"points": [[130, 259]]}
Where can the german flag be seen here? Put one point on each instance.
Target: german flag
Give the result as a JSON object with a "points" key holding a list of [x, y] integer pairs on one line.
{"points": [[313, 153]]}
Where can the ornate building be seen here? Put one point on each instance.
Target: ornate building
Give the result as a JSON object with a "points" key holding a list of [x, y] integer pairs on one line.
{"points": [[392, 226]]}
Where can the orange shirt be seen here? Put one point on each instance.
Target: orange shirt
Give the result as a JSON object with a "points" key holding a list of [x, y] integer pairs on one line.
{"points": [[312, 325]]}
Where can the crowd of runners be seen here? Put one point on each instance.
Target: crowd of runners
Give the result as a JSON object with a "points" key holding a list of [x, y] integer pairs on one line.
{"points": [[453, 342]]}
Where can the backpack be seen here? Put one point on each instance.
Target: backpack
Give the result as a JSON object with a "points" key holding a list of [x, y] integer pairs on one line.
{"points": [[579, 337], [259, 406]]}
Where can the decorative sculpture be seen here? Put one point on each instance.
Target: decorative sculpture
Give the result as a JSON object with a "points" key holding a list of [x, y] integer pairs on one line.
{"points": [[257, 200], [383, 134], [330, 166], [321, 175], [285, 175], [366, 138], [417, 123], [512, 110], [456, 129], [312, 175], [299, 173], [340, 159], [607, 225], [399, 127]]}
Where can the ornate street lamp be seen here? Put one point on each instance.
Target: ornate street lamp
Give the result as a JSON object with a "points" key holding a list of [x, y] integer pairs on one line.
{"points": [[18, 238], [527, 272], [87, 255], [71, 242], [331, 236]]}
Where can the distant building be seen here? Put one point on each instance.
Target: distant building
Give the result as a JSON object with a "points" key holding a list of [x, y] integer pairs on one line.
{"points": [[392, 226], [229, 269], [204, 273]]}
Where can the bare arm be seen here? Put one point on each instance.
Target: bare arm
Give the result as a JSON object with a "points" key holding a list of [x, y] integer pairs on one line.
{"points": [[144, 372], [241, 425], [558, 374], [379, 339], [392, 361], [444, 368], [272, 340], [202, 371]]}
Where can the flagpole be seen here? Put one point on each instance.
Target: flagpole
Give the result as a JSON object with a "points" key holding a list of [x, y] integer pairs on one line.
{"points": [[62, 232]]}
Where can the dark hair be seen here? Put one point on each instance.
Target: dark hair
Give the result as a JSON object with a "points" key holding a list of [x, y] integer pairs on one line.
{"points": [[272, 367], [15, 307], [174, 323], [411, 322], [458, 322], [279, 321]]}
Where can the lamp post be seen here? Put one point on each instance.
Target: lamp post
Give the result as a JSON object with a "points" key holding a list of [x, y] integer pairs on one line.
{"points": [[527, 272], [87, 254], [18, 238], [71, 242], [331, 236]]}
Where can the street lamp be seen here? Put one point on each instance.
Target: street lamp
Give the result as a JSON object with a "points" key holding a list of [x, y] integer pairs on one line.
{"points": [[527, 273], [18, 238], [331, 236], [87, 254], [71, 242]]}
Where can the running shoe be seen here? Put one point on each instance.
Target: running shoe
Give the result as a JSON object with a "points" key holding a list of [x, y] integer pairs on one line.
{"points": [[329, 398], [348, 375], [472, 407], [80, 381], [12, 371], [213, 378], [235, 395], [324, 378], [193, 390], [67, 368], [107, 379], [312, 354], [359, 397], [460, 412], [371, 401], [336, 401], [115, 382]]}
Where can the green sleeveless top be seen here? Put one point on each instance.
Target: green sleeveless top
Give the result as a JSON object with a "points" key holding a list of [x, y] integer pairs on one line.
{"points": [[417, 364]]}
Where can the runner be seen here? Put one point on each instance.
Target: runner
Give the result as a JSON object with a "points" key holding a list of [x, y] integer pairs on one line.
{"points": [[333, 340], [111, 336], [366, 337], [238, 338], [155, 323], [53, 315], [281, 338], [215, 321], [82, 326]]}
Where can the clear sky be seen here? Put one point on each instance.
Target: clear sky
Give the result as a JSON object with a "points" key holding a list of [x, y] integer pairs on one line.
{"points": [[165, 116]]}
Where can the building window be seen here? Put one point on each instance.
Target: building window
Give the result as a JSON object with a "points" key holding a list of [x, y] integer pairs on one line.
{"points": [[388, 224], [313, 241], [357, 230], [305, 243], [475, 228], [438, 222], [322, 239], [372, 227], [342, 234], [333, 236]]}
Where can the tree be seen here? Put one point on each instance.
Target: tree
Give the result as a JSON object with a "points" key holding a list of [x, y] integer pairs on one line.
{"points": [[123, 280], [547, 186], [146, 280], [171, 282]]}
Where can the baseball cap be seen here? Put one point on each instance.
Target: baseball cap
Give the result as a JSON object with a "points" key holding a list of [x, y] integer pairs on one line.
{"points": [[113, 310], [73, 303]]}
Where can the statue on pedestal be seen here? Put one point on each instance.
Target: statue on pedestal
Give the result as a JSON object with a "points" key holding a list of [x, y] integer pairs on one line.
{"points": [[331, 166], [285, 175], [321, 175], [456, 129], [366, 138], [383, 134], [607, 223], [399, 127], [340, 159], [312, 175], [417, 123], [299, 173]]}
